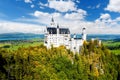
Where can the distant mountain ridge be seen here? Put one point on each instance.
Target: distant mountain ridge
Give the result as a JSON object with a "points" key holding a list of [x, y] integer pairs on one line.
{"points": [[27, 36], [20, 36]]}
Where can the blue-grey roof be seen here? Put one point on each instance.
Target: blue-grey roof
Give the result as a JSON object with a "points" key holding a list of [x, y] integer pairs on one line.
{"points": [[64, 31], [53, 30]]}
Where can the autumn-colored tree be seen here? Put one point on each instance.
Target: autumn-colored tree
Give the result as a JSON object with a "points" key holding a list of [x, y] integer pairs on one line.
{"points": [[94, 62]]}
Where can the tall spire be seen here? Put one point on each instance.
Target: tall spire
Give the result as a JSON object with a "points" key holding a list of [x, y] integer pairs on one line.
{"points": [[52, 21], [57, 25]]}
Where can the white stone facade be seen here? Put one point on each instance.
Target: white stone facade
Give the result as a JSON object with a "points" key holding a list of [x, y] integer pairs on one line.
{"points": [[55, 36]]}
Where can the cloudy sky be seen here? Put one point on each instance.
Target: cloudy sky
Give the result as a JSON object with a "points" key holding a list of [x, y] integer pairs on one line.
{"points": [[32, 16]]}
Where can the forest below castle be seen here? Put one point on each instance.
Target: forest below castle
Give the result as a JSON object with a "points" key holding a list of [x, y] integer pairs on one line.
{"points": [[33, 61]]}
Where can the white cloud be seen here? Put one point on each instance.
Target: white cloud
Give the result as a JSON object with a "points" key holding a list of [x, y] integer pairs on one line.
{"points": [[75, 26], [28, 1], [105, 19], [62, 6], [105, 16], [45, 18], [94, 7], [74, 23], [98, 6], [7, 27], [108, 25], [32, 6], [79, 15], [82, 11], [78, 1], [74, 20], [114, 5], [39, 14], [117, 19], [99, 26], [43, 5]]}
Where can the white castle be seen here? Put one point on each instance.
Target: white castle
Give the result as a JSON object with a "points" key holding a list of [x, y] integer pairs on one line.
{"points": [[56, 36]]}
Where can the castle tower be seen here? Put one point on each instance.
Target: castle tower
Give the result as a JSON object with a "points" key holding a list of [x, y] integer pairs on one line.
{"points": [[57, 28], [84, 34], [52, 22]]}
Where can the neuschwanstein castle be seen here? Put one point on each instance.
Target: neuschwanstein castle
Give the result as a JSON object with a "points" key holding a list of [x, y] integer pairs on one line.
{"points": [[57, 36]]}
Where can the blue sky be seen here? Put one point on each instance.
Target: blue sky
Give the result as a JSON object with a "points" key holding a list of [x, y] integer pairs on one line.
{"points": [[32, 16]]}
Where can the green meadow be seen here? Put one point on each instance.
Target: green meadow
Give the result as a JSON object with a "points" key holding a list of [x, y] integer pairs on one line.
{"points": [[15, 44], [114, 46]]}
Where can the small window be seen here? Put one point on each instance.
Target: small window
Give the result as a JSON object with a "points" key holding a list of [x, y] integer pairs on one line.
{"points": [[46, 42], [74, 47], [65, 38]]}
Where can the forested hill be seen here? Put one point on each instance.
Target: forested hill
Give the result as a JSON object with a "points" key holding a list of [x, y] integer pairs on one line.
{"points": [[94, 62]]}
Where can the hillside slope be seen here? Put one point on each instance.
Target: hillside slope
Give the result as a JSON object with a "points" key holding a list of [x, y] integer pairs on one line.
{"points": [[95, 62]]}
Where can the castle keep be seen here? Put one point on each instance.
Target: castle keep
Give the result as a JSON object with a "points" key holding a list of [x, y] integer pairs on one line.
{"points": [[56, 36]]}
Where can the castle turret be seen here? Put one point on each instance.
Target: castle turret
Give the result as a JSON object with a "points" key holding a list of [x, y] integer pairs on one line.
{"points": [[74, 36], [57, 28], [84, 34], [52, 22]]}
